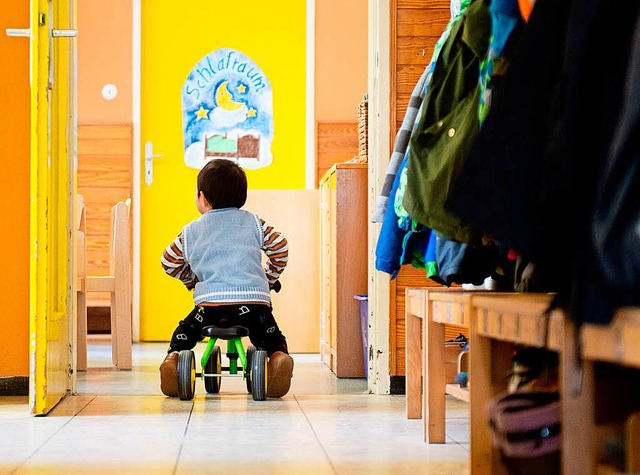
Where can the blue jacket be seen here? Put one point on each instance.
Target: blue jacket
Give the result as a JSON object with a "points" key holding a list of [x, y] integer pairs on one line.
{"points": [[389, 248]]}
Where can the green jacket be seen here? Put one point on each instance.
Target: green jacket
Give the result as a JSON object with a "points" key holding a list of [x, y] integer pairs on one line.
{"points": [[448, 126]]}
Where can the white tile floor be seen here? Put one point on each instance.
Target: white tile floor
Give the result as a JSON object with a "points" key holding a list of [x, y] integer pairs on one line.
{"points": [[119, 423]]}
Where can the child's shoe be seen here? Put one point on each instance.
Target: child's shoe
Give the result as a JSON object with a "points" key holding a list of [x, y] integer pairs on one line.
{"points": [[280, 371], [169, 375]]}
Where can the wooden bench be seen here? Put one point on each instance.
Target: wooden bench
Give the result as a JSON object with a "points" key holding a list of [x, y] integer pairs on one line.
{"points": [[616, 343], [117, 284], [428, 310], [498, 322], [501, 320], [445, 308], [416, 314]]}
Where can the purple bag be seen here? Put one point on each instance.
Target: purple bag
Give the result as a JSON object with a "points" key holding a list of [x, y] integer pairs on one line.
{"points": [[525, 425]]}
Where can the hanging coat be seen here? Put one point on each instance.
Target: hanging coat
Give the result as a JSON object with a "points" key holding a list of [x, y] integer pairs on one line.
{"points": [[448, 126], [531, 178]]}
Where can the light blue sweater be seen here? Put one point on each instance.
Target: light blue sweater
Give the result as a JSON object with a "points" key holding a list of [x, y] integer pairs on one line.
{"points": [[223, 249]]}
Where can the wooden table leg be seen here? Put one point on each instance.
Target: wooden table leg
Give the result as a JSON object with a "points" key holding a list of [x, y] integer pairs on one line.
{"points": [[578, 410], [435, 379], [480, 391], [413, 362]]}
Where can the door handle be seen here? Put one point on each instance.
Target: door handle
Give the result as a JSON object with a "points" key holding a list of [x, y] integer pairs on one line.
{"points": [[19, 32], [55, 33], [64, 33], [148, 162]]}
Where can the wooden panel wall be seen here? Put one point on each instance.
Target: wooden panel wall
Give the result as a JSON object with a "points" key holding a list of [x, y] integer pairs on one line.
{"points": [[336, 142], [104, 178], [416, 25], [301, 278]]}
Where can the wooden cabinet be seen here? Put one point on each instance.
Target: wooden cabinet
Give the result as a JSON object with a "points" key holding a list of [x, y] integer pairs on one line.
{"points": [[343, 266]]}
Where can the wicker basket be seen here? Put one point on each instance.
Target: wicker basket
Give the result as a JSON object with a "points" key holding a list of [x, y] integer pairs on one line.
{"points": [[363, 128]]}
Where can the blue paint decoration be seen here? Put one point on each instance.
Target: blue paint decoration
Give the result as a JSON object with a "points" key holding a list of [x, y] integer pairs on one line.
{"points": [[227, 111]]}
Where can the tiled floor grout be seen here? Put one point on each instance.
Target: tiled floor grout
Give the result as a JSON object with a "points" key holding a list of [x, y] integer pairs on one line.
{"points": [[325, 425]]}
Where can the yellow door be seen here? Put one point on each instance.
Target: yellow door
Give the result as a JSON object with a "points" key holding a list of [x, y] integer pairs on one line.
{"points": [[201, 61], [52, 190]]}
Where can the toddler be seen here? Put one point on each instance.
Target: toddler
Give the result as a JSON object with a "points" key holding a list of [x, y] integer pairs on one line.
{"points": [[219, 257]]}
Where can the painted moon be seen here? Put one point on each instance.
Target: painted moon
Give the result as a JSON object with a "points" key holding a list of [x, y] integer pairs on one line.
{"points": [[224, 99]]}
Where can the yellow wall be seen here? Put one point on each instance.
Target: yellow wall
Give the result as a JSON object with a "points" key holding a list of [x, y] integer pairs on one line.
{"points": [[341, 59], [272, 34], [104, 57], [14, 189], [175, 37]]}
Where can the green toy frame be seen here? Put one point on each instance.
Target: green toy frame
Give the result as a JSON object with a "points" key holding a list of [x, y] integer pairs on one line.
{"points": [[234, 347], [255, 376]]}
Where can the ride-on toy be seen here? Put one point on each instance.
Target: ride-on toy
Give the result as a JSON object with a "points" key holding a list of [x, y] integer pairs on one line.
{"points": [[253, 363]]}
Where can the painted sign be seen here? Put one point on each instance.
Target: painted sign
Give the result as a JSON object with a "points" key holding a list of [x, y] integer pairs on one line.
{"points": [[227, 111]]}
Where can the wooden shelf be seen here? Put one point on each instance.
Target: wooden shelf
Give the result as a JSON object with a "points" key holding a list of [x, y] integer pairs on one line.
{"points": [[458, 392]]}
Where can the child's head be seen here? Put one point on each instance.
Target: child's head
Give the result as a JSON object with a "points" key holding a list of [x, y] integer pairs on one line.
{"points": [[223, 184]]}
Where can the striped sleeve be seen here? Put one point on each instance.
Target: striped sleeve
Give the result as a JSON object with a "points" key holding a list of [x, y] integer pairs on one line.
{"points": [[174, 264], [276, 248]]}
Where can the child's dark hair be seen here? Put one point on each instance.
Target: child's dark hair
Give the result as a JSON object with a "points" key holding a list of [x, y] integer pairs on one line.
{"points": [[223, 183]]}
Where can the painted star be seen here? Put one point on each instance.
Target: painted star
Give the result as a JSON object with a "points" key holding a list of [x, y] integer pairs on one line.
{"points": [[202, 113], [241, 88], [252, 112]]}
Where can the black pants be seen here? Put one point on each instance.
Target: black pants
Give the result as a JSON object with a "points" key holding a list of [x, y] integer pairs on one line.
{"points": [[258, 319]]}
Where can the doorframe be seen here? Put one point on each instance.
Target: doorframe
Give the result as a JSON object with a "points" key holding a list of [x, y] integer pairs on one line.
{"points": [[310, 135], [310, 126], [379, 145], [73, 193], [135, 121]]}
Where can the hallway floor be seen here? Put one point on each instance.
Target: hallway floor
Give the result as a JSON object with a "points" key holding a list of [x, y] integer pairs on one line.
{"points": [[119, 423]]}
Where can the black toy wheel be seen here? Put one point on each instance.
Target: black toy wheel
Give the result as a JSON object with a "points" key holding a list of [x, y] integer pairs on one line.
{"points": [[247, 370], [213, 366], [259, 375], [186, 375]]}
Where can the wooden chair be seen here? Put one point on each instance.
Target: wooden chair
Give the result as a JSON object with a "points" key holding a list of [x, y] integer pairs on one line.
{"points": [[81, 273], [117, 283]]}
